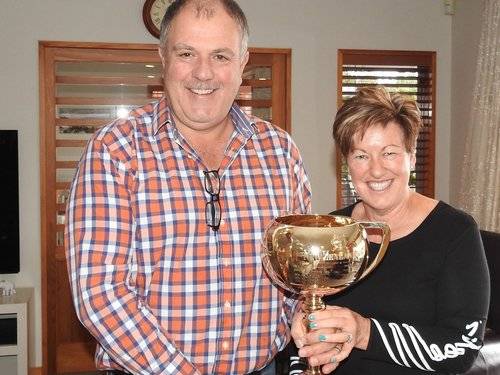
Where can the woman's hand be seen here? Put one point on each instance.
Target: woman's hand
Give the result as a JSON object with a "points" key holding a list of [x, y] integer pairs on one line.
{"points": [[333, 333]]}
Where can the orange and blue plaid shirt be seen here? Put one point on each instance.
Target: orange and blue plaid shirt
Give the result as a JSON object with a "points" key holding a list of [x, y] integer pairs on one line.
{"points": [[161, 291]]}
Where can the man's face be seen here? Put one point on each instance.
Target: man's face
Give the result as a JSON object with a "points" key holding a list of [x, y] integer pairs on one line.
{"points": [[202, 68]]}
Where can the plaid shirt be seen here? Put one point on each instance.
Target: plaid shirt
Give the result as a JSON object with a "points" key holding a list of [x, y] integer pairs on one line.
{"points": [[160, 290]]}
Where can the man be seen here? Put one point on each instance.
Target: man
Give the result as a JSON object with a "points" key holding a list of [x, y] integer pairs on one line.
{"points": [[168, 208]]}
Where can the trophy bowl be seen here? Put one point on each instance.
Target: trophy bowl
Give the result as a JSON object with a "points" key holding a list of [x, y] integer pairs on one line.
{"points": [[318, 255]]}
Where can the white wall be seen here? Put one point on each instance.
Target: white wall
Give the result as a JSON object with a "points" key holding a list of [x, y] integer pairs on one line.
{"points": [[314, 29], [466, 33]]}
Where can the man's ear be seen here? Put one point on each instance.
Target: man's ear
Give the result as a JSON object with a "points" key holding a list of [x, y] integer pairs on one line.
{"points": [[162, 58], [244, 61]]}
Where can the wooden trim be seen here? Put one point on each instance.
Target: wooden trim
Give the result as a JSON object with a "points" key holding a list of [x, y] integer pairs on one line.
{"points": [[99, 80], [110, 55], [63, 185], [71, 142], [278, 74], [82, 122], [269, 51], [258, 103], [46, 103], [66, 164], [347, 51], [98, 45], [338, 155], [288, 104], [67, 352], [66, 100], [135, 46], [432, 162], [260, 59], [60, 254], [385, 57], [257, 82], [35, 371]]}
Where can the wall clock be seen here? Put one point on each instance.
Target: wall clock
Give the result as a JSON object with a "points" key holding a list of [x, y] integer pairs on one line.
{"points": [[152, 14]]}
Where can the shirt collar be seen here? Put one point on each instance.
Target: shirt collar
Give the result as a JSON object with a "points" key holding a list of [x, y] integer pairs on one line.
{"points": [[161, 116], [242, 122]]}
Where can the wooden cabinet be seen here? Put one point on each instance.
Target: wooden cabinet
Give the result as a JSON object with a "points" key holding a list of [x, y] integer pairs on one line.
{"points": [[82, 87], [15, 309]]}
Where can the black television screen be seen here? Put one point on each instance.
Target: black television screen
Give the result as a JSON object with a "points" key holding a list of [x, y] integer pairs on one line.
{"points": [[9, 202]]}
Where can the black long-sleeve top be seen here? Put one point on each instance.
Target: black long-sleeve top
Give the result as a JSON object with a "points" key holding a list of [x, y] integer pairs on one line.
{"points": [[427, 300]]}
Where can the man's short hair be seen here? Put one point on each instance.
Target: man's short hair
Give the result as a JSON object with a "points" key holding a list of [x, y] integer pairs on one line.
{"points": [[205, 8]]}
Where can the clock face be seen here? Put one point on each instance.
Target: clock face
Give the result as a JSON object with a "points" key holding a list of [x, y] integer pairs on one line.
{"points": [[158, 11], [152, 14]]}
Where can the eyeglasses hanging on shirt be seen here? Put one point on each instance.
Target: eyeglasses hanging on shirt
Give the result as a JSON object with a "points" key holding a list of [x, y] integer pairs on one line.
{"points": [[213, 207]]}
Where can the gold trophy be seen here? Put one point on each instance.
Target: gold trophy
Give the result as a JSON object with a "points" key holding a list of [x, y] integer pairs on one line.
{"points": [[318, 255]]}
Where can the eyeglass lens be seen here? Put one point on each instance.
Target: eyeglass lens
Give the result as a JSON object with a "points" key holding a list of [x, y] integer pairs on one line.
{"points": [[213, 207], [212, 182]]}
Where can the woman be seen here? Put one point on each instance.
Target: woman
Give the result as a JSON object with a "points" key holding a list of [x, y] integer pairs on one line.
{"points": [[424, 307]]}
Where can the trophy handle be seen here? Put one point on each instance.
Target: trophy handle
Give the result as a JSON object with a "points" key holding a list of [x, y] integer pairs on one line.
{"points": [[386, 231]]}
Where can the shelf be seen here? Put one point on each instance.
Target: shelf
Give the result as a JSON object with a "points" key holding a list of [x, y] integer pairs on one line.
{"points": [[8, 350], [16, 306]]}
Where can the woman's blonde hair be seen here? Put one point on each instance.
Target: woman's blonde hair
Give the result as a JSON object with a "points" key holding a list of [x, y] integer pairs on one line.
{"points": [[376, 106]]}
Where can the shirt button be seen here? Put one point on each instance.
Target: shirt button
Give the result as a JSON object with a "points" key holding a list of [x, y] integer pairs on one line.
{"points": [[222, 221], [225, 345], [226, 262], [227, 305]]}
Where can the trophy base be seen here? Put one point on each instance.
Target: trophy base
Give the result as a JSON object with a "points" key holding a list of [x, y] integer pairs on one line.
{"points": [[316, 370]]}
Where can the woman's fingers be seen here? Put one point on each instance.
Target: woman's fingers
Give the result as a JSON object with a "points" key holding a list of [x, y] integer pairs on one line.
{"points": [[330, 335], [315, 348], [298, 330], [331, 358], [356, 327], [334, 361]]}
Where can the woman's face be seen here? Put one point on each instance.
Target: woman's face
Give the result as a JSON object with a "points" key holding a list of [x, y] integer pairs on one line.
{"points": [[380, 167]]}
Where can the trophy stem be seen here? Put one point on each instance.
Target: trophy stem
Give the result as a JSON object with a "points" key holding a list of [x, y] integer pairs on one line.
{"points": [[312, 302]]}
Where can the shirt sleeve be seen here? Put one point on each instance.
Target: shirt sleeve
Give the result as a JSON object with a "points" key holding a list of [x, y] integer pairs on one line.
{"points": [[452, 344], [99, 242]]}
